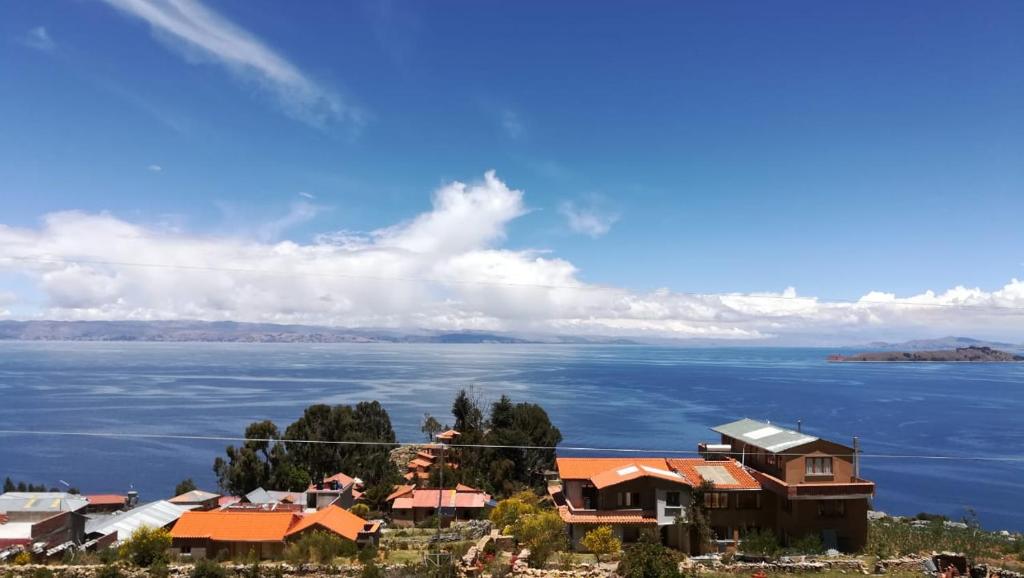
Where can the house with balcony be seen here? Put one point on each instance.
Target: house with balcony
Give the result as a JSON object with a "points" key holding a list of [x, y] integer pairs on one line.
{"points": [[811, 485], [633, 495], [418, 469]]}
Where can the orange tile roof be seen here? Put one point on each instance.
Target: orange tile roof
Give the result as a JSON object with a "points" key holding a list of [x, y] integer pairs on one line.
{"points": [[605, 517], [400, 491], [342, 479], [447, 435], [586, 468], [106, 499], [333, 519], [632, 471], [690, 467], [227, 526]]}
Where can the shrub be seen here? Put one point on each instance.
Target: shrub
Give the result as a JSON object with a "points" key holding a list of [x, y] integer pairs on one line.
{"points": [[22, 558], [207, 569], [109, 571], [543, 533], [567, 560], [807, 544], [42, 573], [368, 554], [601, 541], [361, 510], [146, 546], [648, 559], [760, 543], [108, 556], [510, 511], [371, 570], [158, 569], [250, 571]]}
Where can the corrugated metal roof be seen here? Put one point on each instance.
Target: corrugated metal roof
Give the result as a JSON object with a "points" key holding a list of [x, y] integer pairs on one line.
{"points": [[153, 514], [764, 435], [41, 502], [194, 496]]}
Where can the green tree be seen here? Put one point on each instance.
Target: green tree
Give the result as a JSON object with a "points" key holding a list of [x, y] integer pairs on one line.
{"points": [[252, 465], [601, 541], [543, 533], [361, 510], [648, 559], [366, 422], [431, 427], [146, 546], [9, 485], [522, 424], [761, 543], [184, 486]]}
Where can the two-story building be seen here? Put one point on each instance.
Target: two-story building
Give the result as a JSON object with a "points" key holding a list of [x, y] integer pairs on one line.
{"points": [[633, 494], [812, 485]]}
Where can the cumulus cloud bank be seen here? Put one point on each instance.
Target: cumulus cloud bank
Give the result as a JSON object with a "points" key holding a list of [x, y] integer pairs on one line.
{"points": [[443, 269]]}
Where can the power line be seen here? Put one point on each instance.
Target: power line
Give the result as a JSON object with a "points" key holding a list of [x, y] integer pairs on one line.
{"points": [[132, 435], [483, 283]]}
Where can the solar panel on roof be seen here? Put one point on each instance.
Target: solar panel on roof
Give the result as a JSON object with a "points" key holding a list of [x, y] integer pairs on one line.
{"points": [[717, 475]]}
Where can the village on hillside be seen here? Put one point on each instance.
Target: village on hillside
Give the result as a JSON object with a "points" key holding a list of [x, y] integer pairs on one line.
{"points": [[759, 496]]}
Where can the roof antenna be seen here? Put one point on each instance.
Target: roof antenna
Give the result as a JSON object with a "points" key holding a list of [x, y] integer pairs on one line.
{"points": [[800, 426]]}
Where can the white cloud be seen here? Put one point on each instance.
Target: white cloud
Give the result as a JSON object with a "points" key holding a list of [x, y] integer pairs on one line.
{"points": [[587, 220], [443, 269], [306, 195], [204, 35], [512, 124], [155, 168], [39, 39]]}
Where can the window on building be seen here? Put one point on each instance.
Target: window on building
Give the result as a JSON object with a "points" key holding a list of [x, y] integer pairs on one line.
{"points": [[831, 508], [771, 459], [818, 466], [748, 500], [672, 499], [629, 499], [716, 500]]}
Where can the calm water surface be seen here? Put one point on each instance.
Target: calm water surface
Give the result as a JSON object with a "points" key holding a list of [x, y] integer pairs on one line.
{"points": [[605, 396]]}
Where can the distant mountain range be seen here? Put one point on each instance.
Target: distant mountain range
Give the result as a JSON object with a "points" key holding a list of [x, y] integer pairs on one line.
{"points": [[941, 343], [230, 331]]}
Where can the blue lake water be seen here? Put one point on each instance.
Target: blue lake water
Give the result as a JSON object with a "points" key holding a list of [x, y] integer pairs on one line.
{"points": [[607, 396]]}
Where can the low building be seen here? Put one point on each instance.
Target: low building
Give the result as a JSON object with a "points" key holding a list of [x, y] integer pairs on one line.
{"points": [[427, 456], [200, 499], [202, 534], [411, 506], [44, 522], [812, 485], [336, 490], [272, 497], [339, 521], [105, 503], [109, 530]]}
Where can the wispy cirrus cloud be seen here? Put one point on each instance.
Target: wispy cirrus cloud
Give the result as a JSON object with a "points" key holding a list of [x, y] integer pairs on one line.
{"points": [[205, 35], [39, 39]]}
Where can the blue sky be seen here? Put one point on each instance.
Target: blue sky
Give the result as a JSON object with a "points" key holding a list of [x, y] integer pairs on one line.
{"points": [[708, 147]]}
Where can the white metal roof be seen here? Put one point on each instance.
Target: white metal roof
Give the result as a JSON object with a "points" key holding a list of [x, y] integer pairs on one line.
{"points": [[153, 514], [41, 502], [764, 435]]}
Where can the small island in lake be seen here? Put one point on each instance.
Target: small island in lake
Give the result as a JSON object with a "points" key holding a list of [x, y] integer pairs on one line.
{"points": [[973, 353]]}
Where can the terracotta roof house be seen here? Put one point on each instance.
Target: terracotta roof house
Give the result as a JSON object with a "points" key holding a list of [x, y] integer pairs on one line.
{"points": [[337, 490], [411, 505], [105, 503], [240, 533], [198, 498], [341, 522], [812, 485], [418, 470]]}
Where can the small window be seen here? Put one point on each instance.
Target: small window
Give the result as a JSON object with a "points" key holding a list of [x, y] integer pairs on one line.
{"points": [[716, 500], [672, 499], [629, 499], [818, 466]]}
